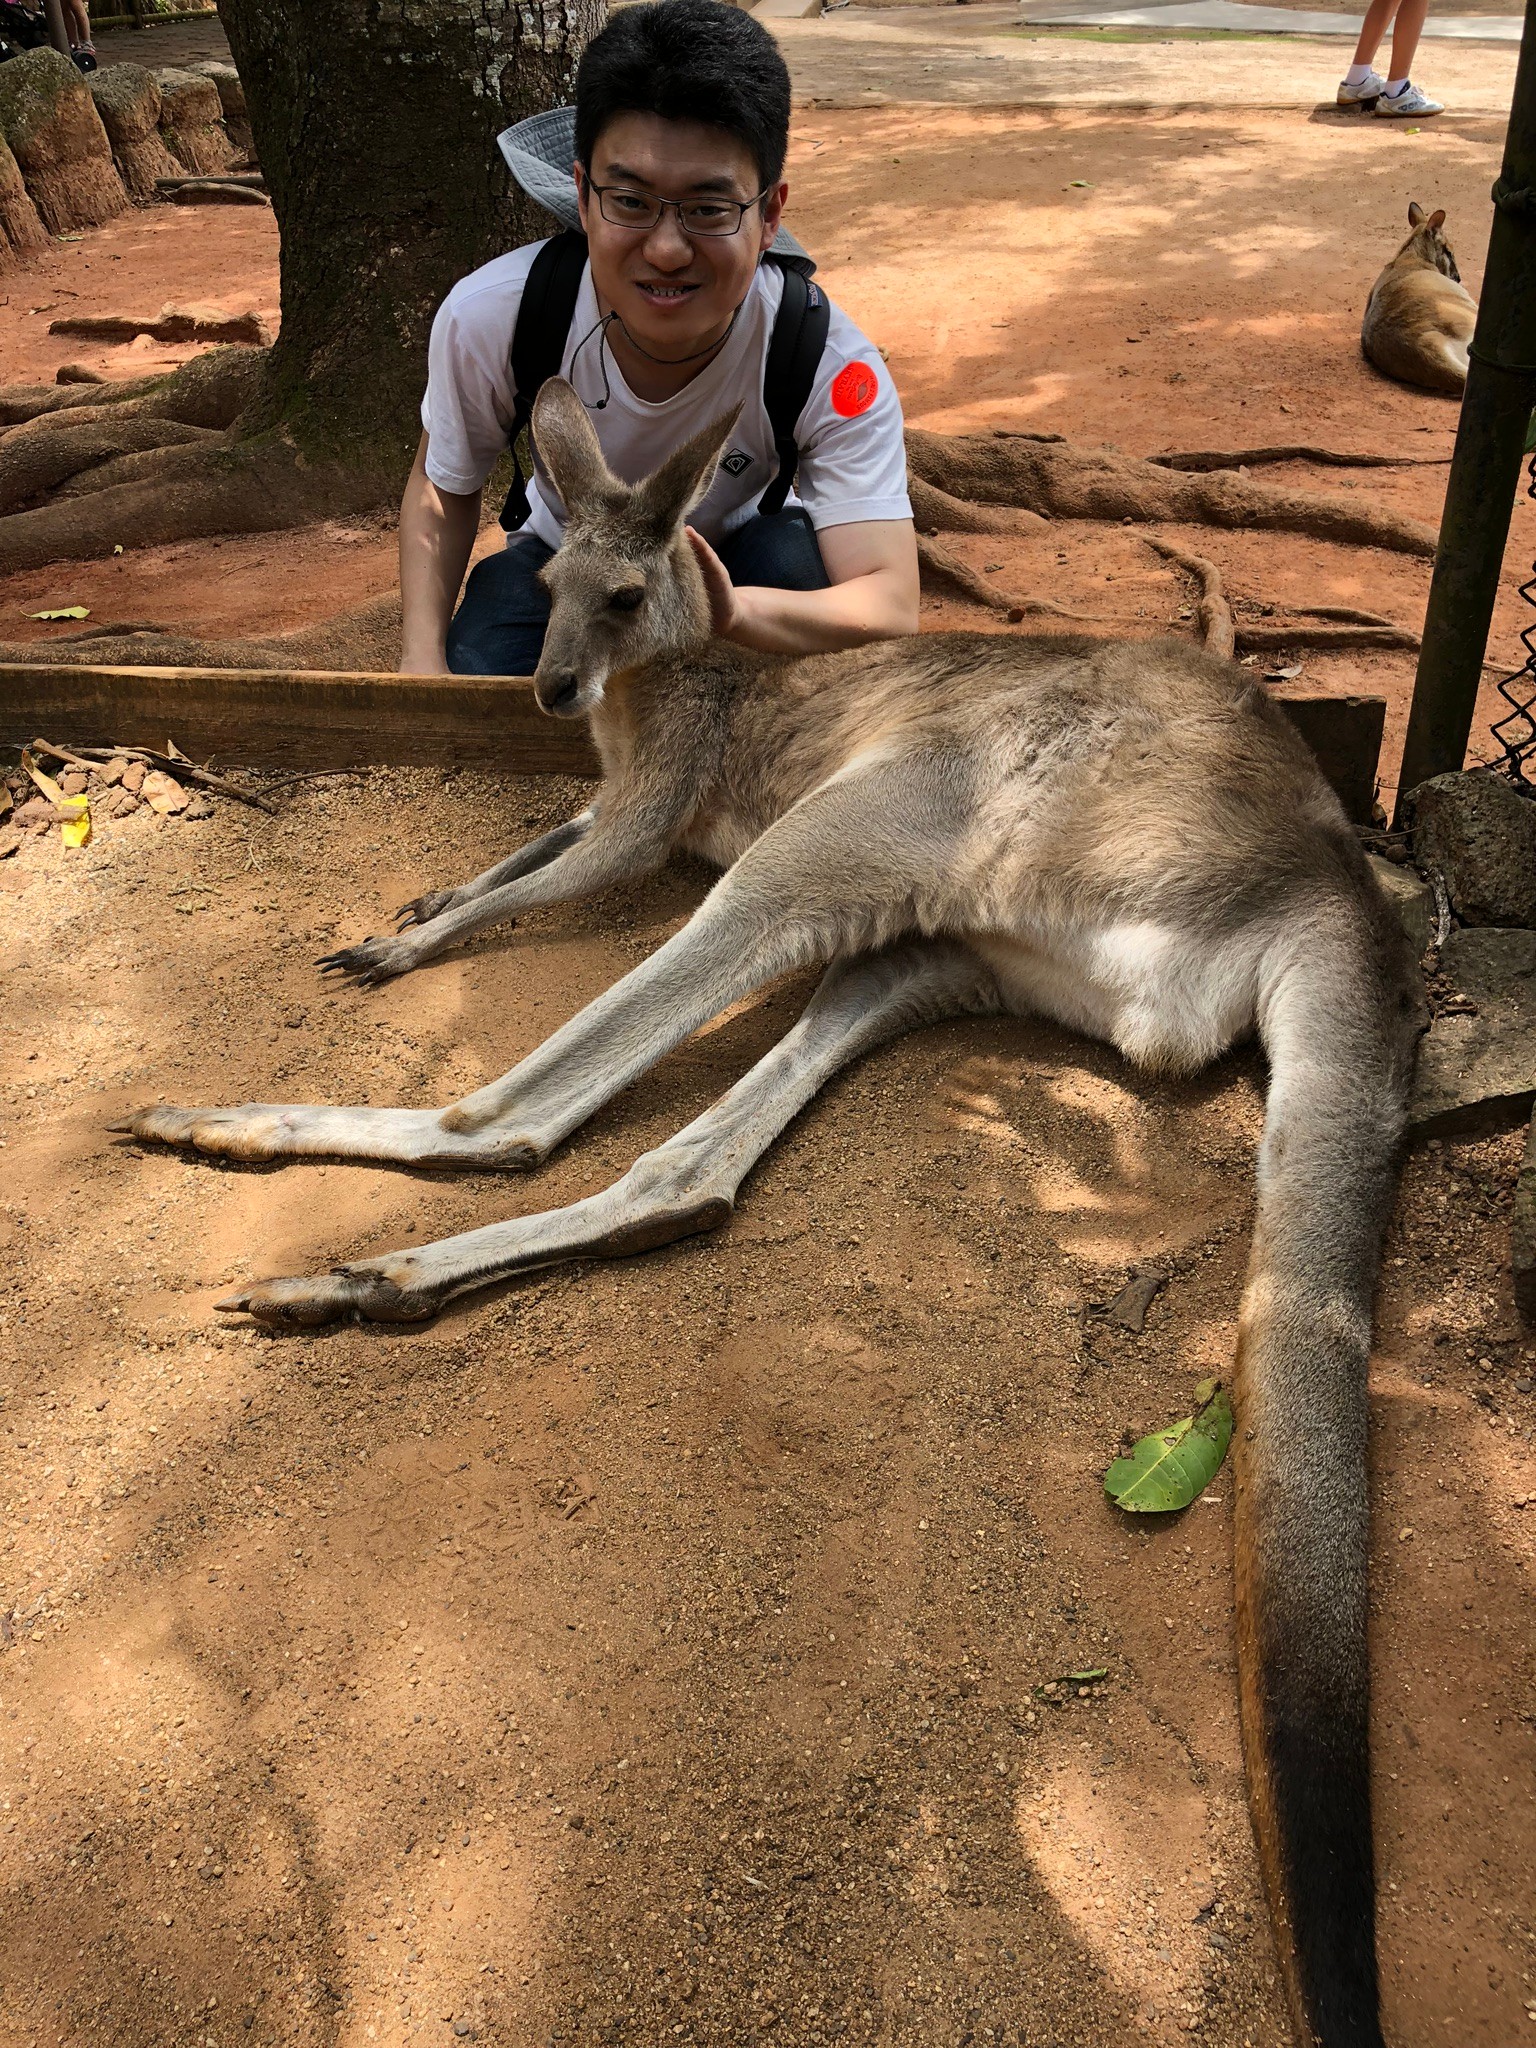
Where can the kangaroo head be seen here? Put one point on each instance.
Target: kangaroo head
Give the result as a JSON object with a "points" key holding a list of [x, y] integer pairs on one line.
{"points": [[1427, 243], [625, 586]]}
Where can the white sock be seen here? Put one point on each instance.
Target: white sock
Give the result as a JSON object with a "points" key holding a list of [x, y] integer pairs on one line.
{"points": [[1357, 74], [1396, 86]]}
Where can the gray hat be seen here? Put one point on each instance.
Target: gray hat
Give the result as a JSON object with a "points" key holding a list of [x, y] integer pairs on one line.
{"points": [[539, 154]]}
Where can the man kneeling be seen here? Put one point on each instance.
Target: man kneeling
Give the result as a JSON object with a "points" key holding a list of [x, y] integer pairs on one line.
{"points": [[681, 126]]}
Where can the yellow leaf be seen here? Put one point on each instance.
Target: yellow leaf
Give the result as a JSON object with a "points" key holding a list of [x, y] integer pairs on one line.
{"points": [[68, 611], [76, 831]]}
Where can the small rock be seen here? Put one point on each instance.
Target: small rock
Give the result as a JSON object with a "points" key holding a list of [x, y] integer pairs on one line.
{"points": [[1524, 1385], [75, 782], [11, 836], [1480, 832], [37, 810], [463, 2031], [1478, 1072], [112, 771], [77, 373], [164, 794], [1410, 896], [133, 777], [117, 803], [198, 806]]}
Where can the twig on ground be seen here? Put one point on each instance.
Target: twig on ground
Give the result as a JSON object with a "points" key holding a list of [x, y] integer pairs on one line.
{"points": [[181, 770], [1218, 633], [1203, 460], [940, 566]]}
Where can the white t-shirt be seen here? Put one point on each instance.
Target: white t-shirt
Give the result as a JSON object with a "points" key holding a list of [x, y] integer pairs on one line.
{"points": [[853, 464]]}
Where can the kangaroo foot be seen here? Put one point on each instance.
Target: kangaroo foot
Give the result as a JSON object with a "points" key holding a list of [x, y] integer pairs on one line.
{"points": [[373, 960], [376, 1291], [271, 1130], [424, 908]]}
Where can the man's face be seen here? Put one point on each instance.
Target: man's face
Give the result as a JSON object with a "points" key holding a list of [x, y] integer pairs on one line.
{"points": [[674, 292]]}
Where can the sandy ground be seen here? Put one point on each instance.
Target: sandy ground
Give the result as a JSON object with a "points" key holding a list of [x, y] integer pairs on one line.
{"points": [[602, 1661], [658, 1651]]}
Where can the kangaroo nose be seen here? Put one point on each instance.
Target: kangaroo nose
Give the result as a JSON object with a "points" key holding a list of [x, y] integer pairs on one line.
{"points": [[557, 690]]}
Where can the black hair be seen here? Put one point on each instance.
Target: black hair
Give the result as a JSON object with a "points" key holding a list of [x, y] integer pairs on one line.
{"points": [[687, 60]]}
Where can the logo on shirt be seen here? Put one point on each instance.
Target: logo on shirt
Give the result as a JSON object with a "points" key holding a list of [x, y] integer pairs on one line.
{"points": [[854, 390], [734, 463]]}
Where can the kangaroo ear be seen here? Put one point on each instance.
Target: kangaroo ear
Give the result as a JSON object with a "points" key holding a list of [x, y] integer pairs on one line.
{"points": [[1415, 213], [568, 446], [665, 499], [1436, 220]]}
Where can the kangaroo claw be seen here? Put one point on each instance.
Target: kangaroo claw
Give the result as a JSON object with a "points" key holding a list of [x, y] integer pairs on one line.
{"points": [[328, 1298], [424, 908], [366, 965]]}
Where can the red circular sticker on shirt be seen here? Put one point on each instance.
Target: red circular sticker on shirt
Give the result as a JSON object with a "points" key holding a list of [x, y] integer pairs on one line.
{"points": [[853, 390]]}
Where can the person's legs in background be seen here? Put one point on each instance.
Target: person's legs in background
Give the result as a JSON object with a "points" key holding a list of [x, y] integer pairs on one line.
{"points": [[1402, 96], [1362, 84], [498, 629]]}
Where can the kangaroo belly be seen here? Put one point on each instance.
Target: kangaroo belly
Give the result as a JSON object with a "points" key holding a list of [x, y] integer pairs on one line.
{"points": [[1167, 999]]}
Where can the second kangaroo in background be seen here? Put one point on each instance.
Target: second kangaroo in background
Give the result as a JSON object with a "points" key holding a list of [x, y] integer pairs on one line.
{"points": [[1420, 316]]}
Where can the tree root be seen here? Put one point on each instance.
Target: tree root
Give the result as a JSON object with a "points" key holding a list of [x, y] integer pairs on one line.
{"points": [[1222, 634], [259, 486], [1322, 639], [1075, 483], [32, 463], [935, 511], [938, 566], [366, 640], [1205, 459], [1213, 613], [211, 390]]}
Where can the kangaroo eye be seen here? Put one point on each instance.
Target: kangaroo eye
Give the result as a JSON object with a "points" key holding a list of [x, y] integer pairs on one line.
{"points": [[629, 599]]}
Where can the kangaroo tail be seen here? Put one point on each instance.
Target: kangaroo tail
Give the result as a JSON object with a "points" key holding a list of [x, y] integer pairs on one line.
{"points": [[1339, 1020]]}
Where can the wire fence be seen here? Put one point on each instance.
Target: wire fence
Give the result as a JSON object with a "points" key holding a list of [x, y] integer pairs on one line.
{"points": [[1516, 731]]}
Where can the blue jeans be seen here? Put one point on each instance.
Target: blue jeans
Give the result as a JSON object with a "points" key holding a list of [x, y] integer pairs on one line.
{"points": [[498, 629]]}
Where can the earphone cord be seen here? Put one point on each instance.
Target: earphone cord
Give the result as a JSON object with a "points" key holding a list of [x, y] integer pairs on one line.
{"points": [[600, 328]]}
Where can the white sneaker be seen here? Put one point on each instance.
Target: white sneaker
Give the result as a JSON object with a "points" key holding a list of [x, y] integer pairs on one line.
{"points": [[1409, 101], [1370, 88]]}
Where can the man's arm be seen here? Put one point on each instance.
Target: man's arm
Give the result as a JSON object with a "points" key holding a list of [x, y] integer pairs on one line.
{"points": [[873, 595], [437, 537]]}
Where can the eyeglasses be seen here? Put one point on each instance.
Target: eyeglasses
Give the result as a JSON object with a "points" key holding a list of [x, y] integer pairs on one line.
{"points": [[623, 208]]}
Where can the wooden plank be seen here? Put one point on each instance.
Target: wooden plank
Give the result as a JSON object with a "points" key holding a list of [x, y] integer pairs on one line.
{"points": [[1345, 735], [272, 718]]}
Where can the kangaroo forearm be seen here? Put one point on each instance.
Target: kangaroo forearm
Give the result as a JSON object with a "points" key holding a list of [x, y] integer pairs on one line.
{"points": [[538, 853], [594, 862]]}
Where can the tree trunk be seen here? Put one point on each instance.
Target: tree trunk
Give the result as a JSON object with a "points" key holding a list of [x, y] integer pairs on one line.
{"points": [[375, 122]]}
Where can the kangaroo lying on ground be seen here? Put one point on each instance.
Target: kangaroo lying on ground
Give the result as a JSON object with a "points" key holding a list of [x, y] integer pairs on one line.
{"points": [[1126, 837], [1420, 316]]}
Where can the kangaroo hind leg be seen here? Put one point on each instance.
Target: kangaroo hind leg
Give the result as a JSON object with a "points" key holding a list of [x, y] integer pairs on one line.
{"points": [[839, 874], [685, 1186]]}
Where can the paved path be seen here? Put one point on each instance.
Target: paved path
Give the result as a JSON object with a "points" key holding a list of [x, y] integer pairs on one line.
{"points": [[1237, 16], [990, 56]]}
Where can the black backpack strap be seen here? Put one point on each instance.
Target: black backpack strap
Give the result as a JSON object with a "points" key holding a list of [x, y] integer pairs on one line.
{"points": [[794, 356], [538, 342]]}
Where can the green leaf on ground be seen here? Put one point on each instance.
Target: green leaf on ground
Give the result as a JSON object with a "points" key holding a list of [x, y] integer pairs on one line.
{"points": [[1168, 1470], [68, 611], [1089, 1677]]}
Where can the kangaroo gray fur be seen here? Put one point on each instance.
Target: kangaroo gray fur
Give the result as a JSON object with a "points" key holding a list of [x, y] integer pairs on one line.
{"points": [[1126, 837]]}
